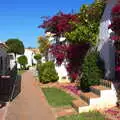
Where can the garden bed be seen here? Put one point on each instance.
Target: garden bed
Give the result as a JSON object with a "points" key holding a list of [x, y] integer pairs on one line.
{"points": [[112, 113], [71, 88], [84, 116]]}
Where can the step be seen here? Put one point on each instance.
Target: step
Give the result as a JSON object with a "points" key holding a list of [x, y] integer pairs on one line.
{"points": [[98, 88], [79, 103], [87, 96]]}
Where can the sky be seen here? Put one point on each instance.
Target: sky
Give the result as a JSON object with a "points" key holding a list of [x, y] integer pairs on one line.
{"points": [[21, 18]]}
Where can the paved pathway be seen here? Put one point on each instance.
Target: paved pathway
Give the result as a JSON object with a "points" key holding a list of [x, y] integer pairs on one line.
{"points": [[29, 104], [2, 112]]}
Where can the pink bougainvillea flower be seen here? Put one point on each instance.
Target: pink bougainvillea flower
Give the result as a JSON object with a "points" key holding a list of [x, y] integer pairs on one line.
{"points": [[72, 53], [117, 68], [74, 76], [112, 112], [116, 9], [114, 38], [72, 89], [60, 23]]}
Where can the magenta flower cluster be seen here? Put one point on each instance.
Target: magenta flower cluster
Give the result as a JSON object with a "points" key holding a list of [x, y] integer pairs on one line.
{"points": [[60, 23], [72, 89], [114, 113], [115, 27], [73, 54]]}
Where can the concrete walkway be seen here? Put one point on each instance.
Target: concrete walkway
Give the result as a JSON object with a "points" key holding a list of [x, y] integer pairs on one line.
{"points": [[29, 104]]}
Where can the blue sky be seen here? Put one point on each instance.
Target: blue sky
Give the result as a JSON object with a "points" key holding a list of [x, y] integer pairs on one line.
{"points": [[20, 18]]}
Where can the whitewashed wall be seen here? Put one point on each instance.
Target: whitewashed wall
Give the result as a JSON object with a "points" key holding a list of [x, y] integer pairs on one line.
{"points": [[106, 47], [62, 73], [30, 56]]}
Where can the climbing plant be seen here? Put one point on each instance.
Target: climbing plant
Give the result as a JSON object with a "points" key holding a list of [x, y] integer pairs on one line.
{"points": [[115, 27], [72, 55]]}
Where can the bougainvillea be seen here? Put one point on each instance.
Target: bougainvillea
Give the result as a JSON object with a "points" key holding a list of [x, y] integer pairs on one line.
{"points": [[71, 89], [59, 52], [115, 27], [81, 32], [73, 54], [59, 24]]}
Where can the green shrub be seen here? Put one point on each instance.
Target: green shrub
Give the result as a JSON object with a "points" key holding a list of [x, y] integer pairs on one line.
{"points": [[23, 61], [47, 72], [93, 70], [38, 57]]}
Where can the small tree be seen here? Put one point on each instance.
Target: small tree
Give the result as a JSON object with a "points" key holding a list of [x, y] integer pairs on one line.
{"points": [[93, 70], [15, 46], [37, 57], [22, 60], [44, 46]]}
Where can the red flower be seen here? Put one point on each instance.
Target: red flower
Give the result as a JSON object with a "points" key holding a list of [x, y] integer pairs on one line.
{"points": [[114, 38], [116, 9], [73, 54], [60, 23], [74, 76], [117, 68]]}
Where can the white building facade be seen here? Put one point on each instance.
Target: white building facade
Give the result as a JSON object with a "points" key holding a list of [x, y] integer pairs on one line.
{"points": [[106, 45]]}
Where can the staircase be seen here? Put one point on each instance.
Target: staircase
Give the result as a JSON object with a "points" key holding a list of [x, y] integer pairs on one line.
{"points": [[100, 97]]}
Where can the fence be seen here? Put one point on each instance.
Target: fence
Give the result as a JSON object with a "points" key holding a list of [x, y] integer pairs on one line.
{"points": [[7, 83]]}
